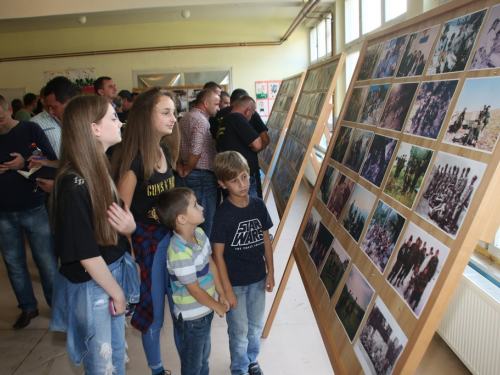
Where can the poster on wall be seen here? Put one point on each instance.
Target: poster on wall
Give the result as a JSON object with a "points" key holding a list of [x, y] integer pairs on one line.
{"points": [[83, 78], [266, 93]]}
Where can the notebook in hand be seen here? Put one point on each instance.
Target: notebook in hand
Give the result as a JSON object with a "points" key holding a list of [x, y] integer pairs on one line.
{"points": [[44, 171]]}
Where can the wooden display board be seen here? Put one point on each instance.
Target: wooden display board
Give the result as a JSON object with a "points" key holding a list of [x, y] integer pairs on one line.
{"points": [[278, 123], [408, 187]]}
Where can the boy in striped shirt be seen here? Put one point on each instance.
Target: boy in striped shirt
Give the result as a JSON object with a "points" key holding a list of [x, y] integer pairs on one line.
{"points": [[194, 278]]}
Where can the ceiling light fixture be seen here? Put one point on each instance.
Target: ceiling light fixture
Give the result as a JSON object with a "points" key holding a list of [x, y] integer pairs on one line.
{"points": [[82, 20], [185, 13]]}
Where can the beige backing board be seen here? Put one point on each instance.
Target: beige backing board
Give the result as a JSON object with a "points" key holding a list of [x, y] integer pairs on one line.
{"points": [[408, 187]]}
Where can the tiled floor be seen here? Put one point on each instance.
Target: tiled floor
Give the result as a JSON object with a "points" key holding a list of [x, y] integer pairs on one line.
{"points": [[294, 345]]}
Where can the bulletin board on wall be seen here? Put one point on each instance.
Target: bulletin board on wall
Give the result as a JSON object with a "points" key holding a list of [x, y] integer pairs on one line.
{"points": [[266, 93], [408, 186]]}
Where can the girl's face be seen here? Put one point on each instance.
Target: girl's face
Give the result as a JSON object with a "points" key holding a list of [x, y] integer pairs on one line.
{"points": [[107, 130], [164, 116]]}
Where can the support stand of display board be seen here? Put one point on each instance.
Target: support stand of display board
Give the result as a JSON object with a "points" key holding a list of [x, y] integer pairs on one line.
{"points": [[408, 188]]}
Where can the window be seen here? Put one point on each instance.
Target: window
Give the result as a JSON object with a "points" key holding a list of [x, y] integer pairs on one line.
{"points": [[321, 39], [351, 20], [394, 8], [350, 64], [314, 44], [371, 11]]}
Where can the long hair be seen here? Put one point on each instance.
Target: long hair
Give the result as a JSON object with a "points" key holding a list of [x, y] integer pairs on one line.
{"points": [[140, 137], [82, 154]]}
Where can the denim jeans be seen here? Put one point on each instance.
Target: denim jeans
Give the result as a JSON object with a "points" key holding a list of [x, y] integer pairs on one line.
{"points": [[252, 189], [204, 184], [195, 344], [245, 324], [35, 224]]}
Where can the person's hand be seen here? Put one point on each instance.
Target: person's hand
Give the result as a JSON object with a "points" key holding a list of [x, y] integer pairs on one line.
{"points": [[121, 219], [46, 185], [269, 282], [232, 299], [3, 168], [17, 163], [180, 169], [120, 303], [224, 301], [221, 309]]}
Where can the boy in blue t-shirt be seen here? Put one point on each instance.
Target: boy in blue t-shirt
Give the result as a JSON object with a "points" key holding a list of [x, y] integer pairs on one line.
{"points": [[194, 278], [242, 252]]}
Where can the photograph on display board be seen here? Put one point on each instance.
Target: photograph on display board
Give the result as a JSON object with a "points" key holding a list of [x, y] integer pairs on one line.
{"points": [[320, 246], [273, 89], [334, 269], [380, 342], [183, 97], [298, 158], [487, 54], [455, 44], [267, 155], [274, 135], [415, 268], [475, 122], [357, 150], [430, 107], [326, 187], [389, 57], [374, 104], [192, 93], [325, 75], [397, 106], [341, 144], [407, 173], [310, 81], [261, 90], [449, 190], [353, 302], [311, 227], [284, 180], [378, 159], [382, 234], [355, 103], [417, 52], [356, 215], [370, 60], [340, 195]]}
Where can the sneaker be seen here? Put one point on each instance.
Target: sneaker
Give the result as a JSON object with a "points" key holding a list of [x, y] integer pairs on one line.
{"points": [[161, 371], [254, 369], [129, 310], [24, 319]]}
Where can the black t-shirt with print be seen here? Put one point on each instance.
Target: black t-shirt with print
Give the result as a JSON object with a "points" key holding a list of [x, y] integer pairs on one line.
{"points": [[255, 121]]}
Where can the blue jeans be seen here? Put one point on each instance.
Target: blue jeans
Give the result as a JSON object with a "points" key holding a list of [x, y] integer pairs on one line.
{"points": [[245, 324], [35, 224], [204, 184], [195, 344], [252, 189]]}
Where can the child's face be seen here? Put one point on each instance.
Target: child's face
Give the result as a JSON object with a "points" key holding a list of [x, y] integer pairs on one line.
{"points": [[237, 186], [194, 212]]}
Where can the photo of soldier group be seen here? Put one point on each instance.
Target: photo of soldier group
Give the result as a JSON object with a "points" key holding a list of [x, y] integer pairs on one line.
{"points": [[487, 55], [389, 57], [353, 302], [407, 173], [355, 103], [380, 342], [374, 104], [357, 150], [274, 134], [326, 187], [476, 119], [340, 195], [320, 246], [334, 269], [284, 180], [417, 52], [310, 229], [455, 44], [341, 144], [370, 60], [382, 234], [378, 159], [267, 154], [449, 190], [356, 216], [428, 113], [397, 106], [416, 266]]}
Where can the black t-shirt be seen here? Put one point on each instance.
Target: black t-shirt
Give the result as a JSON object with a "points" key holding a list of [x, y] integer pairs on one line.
{"points": [[74, 231], [236, 134], [241, 231], [255, 121], [146, 192]]}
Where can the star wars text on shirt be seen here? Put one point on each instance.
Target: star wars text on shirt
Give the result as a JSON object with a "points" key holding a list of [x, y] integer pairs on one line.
{"points": [[248, 235]]}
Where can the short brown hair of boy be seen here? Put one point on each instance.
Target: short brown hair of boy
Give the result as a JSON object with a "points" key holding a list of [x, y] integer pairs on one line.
{"points": [[229, 164], [172, 203]]}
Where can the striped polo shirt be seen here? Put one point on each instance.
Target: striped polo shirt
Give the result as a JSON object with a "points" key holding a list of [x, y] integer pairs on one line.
{"points": [[186, 263]]}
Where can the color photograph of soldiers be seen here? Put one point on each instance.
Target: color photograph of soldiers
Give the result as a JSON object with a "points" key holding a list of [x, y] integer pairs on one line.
{"points": [[340, 195], [356, 216], [320, 246], [389, 57], [355, 103], [374, 104], [370, 60], [357, 150], [341, 143], [310, 229], [487, 54], [476, 119], [382, 235], [334, 269], [417, 52], [455, 44], [380, 342], [449, 190], [326, 187], [430, 107], [378, 158], [353, 302], [416, 267], [397, 106], [407, 173]]}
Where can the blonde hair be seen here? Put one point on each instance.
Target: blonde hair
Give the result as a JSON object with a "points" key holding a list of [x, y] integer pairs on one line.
{"points": [[229, 164]]}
